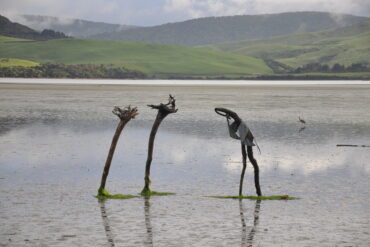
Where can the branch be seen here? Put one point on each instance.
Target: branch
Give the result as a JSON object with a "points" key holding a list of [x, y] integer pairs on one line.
{"points": [[126, 113], [170, 107], [227, 113]]}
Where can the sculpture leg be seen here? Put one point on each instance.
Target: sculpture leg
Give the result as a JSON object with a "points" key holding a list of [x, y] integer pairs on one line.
{"points": [[256, 170], [244, 153]]}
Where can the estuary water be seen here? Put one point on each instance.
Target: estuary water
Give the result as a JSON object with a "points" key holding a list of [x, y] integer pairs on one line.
{"points": [[54, 140]]}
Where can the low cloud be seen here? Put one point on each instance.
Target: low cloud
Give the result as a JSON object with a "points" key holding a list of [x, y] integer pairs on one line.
{"points": [[154, 12], [201, 8]]}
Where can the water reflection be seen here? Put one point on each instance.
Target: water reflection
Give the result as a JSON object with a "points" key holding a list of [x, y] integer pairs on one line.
{"points": [[247, 240], [148, 224], [106, 223], [301, 129]]}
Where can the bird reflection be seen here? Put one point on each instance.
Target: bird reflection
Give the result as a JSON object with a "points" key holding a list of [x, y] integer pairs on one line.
{"points": [[301, 129], [247, 240], [148, 224], [106, 223]]}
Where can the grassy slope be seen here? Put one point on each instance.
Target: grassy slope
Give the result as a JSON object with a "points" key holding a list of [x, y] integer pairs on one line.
{"points": [[10, 39], [150, 58], [344, 45], [10, 62]]}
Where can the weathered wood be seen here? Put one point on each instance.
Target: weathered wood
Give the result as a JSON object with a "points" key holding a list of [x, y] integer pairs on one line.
{"points": [[228, 113], [125, 115], [237, 120], [244, 154], [163, 111], [353, 145], [256, 170]]}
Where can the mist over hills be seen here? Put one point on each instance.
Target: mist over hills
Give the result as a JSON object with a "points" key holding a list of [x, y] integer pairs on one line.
{"points": [[212, 30], [73, 27]]}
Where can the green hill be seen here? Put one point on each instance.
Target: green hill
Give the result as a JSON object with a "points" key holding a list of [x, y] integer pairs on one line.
{"points": [[10, 62], [16, 30], [212, 30], [344, 45], [148, 58], [72, 27]]}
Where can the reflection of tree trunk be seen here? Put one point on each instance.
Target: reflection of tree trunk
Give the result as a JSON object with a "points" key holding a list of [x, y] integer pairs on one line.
{"points": [[248, 241], [244, 153], [106, 224], [256, 216], [148, 224], [256, 170], [125, 116], [244, 225], [163, 111]]}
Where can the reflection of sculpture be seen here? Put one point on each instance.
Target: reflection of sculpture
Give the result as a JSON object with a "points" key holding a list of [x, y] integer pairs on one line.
{"points": [[148, 224], [248, 241], [106, 224], [246, 138]]}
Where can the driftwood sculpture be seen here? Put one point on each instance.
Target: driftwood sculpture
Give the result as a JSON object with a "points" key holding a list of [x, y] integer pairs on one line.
{"points": [[125, 115], [163, 111], [246, 137]]}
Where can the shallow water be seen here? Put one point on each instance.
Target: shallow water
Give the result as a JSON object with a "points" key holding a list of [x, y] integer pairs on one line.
{"points": [[54, 141]]}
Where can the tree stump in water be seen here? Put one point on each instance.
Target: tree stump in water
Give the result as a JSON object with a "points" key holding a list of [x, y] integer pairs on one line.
{"points": [[125, 115], [249, 152], [163, 111]]}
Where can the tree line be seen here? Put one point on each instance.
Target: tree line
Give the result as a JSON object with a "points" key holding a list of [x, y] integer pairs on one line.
{"points": [[50, 70], [336, 68]]}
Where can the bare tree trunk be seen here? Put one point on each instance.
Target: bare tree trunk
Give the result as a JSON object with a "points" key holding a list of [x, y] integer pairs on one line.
{"points": [[244, 153], [125, 116], [155, 127], [256, 170], [163, 111], [112, 148]]}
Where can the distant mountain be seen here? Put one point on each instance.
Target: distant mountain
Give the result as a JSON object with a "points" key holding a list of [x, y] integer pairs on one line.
{"points": [[212, 30], [347, 45], [16, 30], [72, 27]]}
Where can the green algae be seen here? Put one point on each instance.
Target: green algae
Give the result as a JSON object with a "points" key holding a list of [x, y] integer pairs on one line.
{"points": [[104, 194], [273, 197], [148, 192]]}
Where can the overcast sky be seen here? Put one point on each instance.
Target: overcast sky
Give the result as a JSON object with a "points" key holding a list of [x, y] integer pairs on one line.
{"points": [[154, 12]]}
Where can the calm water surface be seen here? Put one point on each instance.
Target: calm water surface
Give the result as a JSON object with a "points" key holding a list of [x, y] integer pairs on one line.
{"points": [[54, 141]]}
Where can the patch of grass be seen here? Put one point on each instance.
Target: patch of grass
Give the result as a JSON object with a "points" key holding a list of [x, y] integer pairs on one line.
{"points": [[10, 62], [104, 194], [11, 39], [153, 59], [148, 192], [273, 197], [69, 236]]}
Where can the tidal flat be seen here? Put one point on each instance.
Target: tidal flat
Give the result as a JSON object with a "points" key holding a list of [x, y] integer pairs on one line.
{"points": [[54, 140]]}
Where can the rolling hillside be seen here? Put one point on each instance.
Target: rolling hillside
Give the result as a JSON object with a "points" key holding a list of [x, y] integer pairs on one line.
{"points": [[212, 30], [13, 29], [148, 58], [345, 46], [72, 27]]}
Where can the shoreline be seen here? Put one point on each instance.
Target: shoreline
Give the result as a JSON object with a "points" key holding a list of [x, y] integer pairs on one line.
{"points": [[161, 82]]}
